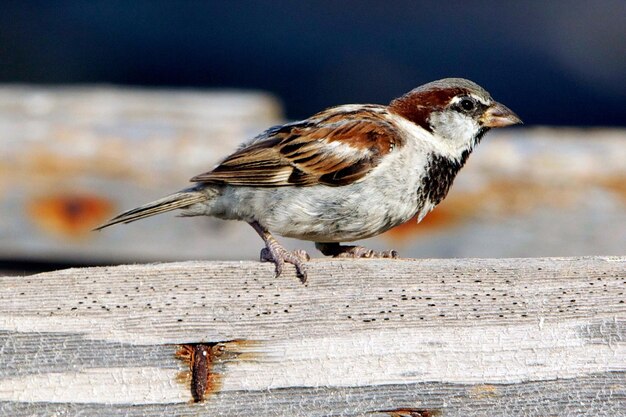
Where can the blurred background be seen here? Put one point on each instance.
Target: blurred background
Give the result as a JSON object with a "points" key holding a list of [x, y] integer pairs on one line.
{"points": [[107, 104], [556, 63]]}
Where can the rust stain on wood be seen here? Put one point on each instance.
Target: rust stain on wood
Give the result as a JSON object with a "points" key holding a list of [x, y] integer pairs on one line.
{"points": [[202, 358], [69, 215], [412, 412], [483, 391]]}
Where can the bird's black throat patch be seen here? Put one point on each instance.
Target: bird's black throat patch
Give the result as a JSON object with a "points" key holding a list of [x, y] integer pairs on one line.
{"points": [[440, 174], [441, 171]]}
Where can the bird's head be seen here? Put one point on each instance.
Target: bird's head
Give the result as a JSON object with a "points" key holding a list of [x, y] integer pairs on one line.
{"points": [[457, 112]]}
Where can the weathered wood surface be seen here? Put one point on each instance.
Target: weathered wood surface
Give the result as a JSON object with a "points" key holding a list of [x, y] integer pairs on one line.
{"points": [[70, 158], [461, 337]]}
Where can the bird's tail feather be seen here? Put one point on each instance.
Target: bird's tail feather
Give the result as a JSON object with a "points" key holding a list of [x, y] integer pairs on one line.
{"points": [[174, 201]]}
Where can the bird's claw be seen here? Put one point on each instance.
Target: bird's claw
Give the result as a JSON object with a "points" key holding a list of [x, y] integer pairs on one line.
{"points": [[279, 256]]}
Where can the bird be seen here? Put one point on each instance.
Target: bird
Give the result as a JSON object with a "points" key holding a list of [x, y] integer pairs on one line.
{"points": [[347, 173]]}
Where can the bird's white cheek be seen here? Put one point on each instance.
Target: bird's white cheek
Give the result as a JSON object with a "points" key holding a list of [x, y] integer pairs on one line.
{"points": [[456, 130]]}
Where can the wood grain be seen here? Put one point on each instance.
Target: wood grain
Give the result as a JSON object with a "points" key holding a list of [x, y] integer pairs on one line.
{"points": [[461, 337]]}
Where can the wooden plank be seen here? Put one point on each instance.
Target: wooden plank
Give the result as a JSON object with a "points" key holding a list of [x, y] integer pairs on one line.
{"points": [[460, 337], [72, 157]]}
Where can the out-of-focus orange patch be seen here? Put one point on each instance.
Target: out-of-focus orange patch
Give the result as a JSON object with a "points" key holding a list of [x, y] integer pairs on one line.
{"points": [[500, 199], [69, 215], [448, 214], [440, 218], [616, 184]]}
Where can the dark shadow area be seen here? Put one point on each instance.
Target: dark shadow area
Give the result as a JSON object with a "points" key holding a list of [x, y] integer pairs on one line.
{"points": [[556, 63]]}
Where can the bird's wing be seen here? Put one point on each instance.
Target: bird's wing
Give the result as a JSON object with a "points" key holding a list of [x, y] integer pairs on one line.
{"points": [[335, 147]]}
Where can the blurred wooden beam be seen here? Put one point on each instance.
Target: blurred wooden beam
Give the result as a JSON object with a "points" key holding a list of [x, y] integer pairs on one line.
{"points": [[72, 157]]}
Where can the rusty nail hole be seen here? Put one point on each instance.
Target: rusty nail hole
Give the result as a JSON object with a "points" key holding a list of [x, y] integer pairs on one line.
{"points": [[412, 412], [200, 357]]}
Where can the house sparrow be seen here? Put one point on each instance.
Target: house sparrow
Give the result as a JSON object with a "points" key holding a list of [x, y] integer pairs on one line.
{"points": [[349, 172]]}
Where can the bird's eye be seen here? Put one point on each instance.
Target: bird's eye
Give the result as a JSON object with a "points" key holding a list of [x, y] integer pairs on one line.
{"points": [[467, 104]]}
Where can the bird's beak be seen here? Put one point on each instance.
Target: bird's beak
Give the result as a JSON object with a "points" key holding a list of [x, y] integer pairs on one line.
{"points": [[499, 115]]}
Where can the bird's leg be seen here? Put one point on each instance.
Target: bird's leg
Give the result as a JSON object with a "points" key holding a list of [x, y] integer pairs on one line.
{"points": [[336, 250], [276, 253]]}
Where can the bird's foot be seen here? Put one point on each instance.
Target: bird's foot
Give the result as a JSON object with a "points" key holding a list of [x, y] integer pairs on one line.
{"points": [[338, 251], [277, 254]]}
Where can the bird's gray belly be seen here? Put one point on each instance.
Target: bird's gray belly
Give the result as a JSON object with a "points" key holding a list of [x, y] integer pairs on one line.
{"points": [[322, 213]]}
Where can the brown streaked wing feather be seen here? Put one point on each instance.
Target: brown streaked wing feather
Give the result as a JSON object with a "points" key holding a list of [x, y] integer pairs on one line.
{"points": [[333, 147]]}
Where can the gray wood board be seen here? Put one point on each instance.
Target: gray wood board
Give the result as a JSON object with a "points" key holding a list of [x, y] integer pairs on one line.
{"points": [[462, 337]]}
